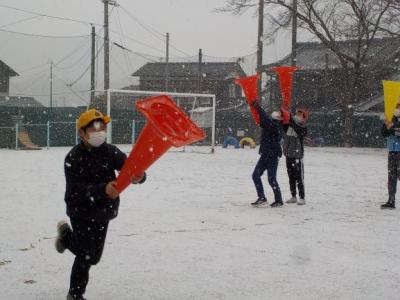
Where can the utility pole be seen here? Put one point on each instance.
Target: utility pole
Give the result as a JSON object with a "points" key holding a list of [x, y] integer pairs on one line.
{"points": [[260, 43], [294, 33], [106, 47], [200, 70], [93, 66], [166, 63]]}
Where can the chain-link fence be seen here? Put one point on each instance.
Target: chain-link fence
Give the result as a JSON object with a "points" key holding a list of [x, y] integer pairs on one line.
{"points": [[38, 127], [60, 134]]}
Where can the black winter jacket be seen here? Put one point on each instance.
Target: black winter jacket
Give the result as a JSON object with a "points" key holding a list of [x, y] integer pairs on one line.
{"points": [[293, 141], [271, 135], [87, 172], [395, 130]]}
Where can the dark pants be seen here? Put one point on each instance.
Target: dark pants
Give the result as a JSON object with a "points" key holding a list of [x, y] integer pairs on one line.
{"points": [[271, 165], [393, 173], [86, 242], [295, 170]]}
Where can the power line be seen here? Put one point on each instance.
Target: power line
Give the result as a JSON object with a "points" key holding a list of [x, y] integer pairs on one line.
{"points": [[55, 94], [34, 68], [139, 42], [70, 88], [19, 21], [118, 65], [142, 24], [50, 16], [127, 60], [133, 52], [85, 54], [72, 20], [45, 36], [71, 53], [36, 78], [151, 30], [232, 57], [87, 69]]}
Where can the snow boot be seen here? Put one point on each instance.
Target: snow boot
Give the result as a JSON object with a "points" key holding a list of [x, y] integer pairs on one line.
{"points": [[388, 205], [292, 200], [63, 229], [277, 204], [259, 202]]}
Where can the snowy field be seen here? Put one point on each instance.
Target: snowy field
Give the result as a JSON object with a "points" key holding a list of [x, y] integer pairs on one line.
{"points": [[190, 233]]}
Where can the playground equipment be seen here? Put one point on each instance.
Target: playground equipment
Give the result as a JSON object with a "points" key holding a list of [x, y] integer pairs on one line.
{"points": [[167, 126], [230, 140], [25, 140], [247, 141]]}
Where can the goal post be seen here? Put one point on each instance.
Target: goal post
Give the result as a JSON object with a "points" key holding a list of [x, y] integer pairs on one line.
{"points": [[121, 107]]}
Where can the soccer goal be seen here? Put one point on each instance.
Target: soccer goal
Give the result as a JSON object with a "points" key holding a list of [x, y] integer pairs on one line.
{"points": [[127, 122]]}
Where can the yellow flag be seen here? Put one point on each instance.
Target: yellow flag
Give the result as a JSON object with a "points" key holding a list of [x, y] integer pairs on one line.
{"points": [[391, 90]]}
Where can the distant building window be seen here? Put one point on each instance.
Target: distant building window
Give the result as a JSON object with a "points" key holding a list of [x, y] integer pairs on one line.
{"points": [[4, 85], [232, 91]]}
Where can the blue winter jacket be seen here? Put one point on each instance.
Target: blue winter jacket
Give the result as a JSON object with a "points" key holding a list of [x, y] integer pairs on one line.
{"points": [[393, 135], [271, 135]]}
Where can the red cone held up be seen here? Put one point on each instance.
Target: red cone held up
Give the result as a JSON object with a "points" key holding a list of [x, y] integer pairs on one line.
{"points": [[285, 75], [249, 86], [167, 126]]}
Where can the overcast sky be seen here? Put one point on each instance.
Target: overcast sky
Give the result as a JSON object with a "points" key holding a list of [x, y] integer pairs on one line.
{"points": [[192, 24]]}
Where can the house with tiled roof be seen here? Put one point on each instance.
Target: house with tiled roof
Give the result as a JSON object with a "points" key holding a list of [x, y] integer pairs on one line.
{"points": [[183, 77]]}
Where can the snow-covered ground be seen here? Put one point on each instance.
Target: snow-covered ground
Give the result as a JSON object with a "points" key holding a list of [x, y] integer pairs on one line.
{"points": [[190, 233]]}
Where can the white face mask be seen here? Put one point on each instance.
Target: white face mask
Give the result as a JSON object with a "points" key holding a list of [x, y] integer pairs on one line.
{"points": [[396, 112], [298, 119], [276, 115], [97, 138]]}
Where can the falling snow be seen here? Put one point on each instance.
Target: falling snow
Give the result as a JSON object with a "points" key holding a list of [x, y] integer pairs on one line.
{"points": [[190, 229]]}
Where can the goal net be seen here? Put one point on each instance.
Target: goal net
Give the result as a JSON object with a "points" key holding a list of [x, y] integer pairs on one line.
{"points": [[127, 122]]}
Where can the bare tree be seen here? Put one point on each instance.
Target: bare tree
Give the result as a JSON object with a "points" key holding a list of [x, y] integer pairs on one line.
{"points": [[332, 22]]}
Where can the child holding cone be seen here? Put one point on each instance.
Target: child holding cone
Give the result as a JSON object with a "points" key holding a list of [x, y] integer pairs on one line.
{"points": [[293, 148], [391, 130], [91, 198], [270, 152]]}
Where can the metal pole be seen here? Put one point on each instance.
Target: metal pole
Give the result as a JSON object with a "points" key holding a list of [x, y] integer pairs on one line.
{"points": [[213, 125], [16, 136], [260, 42], [133, 131], [76, 133], [93, 67], [166, 63], [48, 134], [109, 126], [200, 71], [51, 87], [106, 48]]}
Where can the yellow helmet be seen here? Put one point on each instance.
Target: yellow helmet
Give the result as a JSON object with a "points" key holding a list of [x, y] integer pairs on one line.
{"points": [[90, 115]]}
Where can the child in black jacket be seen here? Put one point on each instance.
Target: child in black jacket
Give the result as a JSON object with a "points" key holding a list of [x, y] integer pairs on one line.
{"points": [[293, 149], [91, 198], [270, 152]]}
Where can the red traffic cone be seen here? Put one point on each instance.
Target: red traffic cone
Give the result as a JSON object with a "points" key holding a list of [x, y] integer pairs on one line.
{"points": [[249, 86], [285, 75], [167, 126]]}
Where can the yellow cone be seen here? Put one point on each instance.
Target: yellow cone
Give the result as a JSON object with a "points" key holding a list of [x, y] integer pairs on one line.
{"points": [[391, 90]]}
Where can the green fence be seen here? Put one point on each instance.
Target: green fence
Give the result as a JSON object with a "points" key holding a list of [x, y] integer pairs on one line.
{"points": [[57, 125]]}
